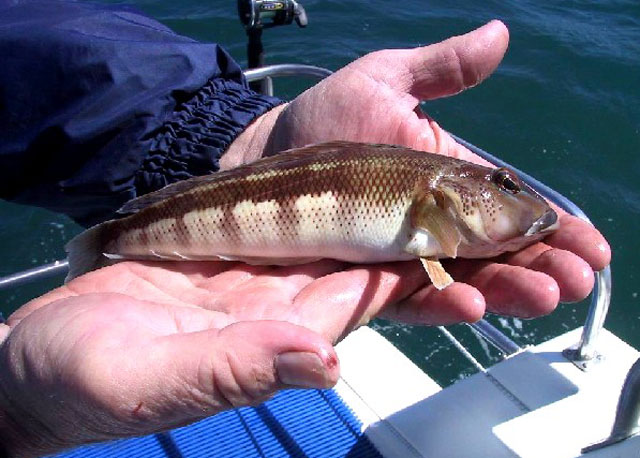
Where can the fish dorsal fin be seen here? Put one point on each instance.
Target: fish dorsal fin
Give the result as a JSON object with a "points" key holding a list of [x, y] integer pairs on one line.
{"points": [[137, 204], [430, 211], [286, 159]]}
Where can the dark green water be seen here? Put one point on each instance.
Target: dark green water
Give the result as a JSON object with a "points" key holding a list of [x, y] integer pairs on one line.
{"points": [[564, 105]]}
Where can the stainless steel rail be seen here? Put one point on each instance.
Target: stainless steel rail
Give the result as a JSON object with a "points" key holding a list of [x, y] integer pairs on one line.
{"points": [[269, 71], [495, 337], [600, 297], [625, 424], [585, 352], [37, 273], [266, 74]]}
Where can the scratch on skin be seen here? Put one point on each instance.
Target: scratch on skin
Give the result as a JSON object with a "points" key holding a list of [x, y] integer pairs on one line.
{"points": [[137, 409]]}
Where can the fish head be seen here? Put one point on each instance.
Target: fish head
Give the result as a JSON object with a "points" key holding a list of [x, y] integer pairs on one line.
{"points": [[510, 208], [492, 210]]}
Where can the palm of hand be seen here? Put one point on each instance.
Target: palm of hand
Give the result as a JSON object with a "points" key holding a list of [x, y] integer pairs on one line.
{"points": [[190, 339]]}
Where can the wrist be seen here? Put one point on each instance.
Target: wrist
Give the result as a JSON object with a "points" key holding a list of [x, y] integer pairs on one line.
{"points": [[254, 142]]}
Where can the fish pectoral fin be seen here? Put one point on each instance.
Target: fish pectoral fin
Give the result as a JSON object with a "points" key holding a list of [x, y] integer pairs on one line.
{"points": [[438, 276], [430, 211], [445, 233]]}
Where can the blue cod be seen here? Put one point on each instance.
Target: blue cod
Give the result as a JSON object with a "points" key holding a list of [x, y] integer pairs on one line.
{"points": [[355, 202]]}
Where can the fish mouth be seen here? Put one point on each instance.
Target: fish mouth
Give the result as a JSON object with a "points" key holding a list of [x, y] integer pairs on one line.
{"points": [[546, 223]]}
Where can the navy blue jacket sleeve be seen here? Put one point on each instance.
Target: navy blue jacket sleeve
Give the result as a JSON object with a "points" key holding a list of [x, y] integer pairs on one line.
{"points": [[100, 104]]}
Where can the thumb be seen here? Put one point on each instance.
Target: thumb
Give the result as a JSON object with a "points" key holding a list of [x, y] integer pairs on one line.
{"points": [[458, 63], [245, 363], [440, 69]]}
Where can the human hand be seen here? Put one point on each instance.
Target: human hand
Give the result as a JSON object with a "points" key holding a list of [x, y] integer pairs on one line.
{"points": [[140, 347], [376, 99]]}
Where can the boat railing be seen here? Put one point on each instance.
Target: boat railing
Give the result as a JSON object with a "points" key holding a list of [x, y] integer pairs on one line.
{"points": [[625, 423], [582, 355]]}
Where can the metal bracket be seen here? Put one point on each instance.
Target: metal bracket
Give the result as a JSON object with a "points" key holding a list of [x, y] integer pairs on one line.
{"points": [[582, 363]]}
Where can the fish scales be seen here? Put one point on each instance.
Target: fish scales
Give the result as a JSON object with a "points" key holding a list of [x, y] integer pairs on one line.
{"points": [[325, 201], [354, 202]]}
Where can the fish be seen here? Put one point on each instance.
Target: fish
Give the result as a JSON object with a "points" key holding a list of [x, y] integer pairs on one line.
{"points": [[355, 202]]}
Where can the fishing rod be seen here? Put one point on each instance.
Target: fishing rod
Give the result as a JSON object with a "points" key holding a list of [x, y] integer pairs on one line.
{"points": [[257, 15]]}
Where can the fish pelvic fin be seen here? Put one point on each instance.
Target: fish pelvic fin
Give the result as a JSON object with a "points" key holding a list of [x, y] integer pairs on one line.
{"points": [[84, 252], [438, 276]]}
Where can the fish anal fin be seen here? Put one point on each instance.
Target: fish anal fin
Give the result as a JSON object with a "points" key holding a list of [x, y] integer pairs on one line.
{"points": [[430, 211], [265, 261], [438, 276]]}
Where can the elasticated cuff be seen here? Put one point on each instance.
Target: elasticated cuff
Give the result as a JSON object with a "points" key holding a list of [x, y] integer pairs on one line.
{"points": [[192, 140]]}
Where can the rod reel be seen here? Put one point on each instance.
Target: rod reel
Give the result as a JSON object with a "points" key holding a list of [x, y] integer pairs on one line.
{"points": [[263, 14], [257, 15]]}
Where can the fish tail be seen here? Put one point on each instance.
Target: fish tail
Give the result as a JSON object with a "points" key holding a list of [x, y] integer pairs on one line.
{"points": [[85, 253]]}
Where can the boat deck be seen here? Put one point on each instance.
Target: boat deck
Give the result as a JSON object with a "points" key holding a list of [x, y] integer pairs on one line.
{"points": [[295, 423], [535, 403]]}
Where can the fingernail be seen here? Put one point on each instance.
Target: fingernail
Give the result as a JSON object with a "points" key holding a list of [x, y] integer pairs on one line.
{"points": [[302, 369]]}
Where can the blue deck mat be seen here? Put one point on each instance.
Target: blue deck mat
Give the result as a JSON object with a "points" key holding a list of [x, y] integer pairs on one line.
{"points": [[295, 423]]}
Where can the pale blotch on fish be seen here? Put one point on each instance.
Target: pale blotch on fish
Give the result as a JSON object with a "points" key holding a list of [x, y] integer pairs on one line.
{"points": [[354, 202], [257, 222]]}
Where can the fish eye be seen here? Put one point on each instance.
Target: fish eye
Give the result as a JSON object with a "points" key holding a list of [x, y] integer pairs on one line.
{"points": [[506, 180]]}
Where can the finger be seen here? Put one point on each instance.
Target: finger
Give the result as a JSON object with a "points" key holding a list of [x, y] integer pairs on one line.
{"points": [[433, 138], [337, 303], [202, 373], [572, 274], [508, 290], [582, 239], [456, 64], [457, 302]]}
